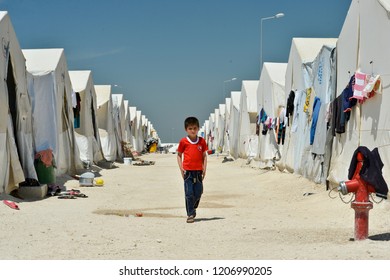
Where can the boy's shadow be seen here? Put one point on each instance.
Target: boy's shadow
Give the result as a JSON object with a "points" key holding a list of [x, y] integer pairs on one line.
{"points": [[208, 219]]}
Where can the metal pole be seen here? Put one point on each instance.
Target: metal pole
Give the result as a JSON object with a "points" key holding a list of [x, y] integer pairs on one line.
{"points": [[279, 15]]}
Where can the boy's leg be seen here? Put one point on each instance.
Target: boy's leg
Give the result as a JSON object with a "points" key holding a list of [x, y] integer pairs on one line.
{"points": [[198, 190], [189, 195]]}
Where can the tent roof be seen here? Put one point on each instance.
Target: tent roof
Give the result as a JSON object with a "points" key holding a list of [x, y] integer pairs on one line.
{"points": [[133, 112], [385, 4], [277, 71], [79, 79], [250, 85], [250, 88], [308, 48], [222, 108], [235, 98], [228, 101], [103, 94], [3, 14], [42, 60], [117, 98]]}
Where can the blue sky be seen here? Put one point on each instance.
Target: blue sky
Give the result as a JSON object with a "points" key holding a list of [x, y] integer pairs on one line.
{"points": [[170, 57]]}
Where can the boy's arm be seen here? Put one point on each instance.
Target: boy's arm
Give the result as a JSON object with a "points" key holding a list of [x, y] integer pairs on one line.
{"points": [[204, 164], [180, 163]]}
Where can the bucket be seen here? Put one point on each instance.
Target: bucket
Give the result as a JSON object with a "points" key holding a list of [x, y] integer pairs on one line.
{"points": [[46, 175], [86, 179], [127, 161]]}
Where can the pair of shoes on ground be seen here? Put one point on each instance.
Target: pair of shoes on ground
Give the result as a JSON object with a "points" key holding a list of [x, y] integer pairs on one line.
{"points": [[71, 194]]}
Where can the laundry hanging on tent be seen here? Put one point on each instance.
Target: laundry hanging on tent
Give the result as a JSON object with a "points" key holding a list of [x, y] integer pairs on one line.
{"points": [[280, 128], [46, 157], [338, 121], [373, 86], [76, 111], [316, 110], [290, 106], [348, 101], [360, 83], [366, 86]]}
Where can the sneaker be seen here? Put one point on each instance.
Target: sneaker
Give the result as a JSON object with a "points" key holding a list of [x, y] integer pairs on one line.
{"points": [[190, 219]]}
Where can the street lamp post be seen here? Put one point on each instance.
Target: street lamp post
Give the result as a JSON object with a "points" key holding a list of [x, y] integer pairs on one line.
{"points": [[224, 82], [279, 15]]}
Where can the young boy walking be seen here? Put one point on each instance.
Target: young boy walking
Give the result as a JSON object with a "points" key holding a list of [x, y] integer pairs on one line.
{"points": [[192, 161]]}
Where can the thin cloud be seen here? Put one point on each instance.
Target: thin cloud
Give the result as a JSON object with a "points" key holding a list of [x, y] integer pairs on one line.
{"points": [[93, 54]]}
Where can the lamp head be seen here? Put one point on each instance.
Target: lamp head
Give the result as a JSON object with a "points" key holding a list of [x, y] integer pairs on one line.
{"points": [[279, 15]]}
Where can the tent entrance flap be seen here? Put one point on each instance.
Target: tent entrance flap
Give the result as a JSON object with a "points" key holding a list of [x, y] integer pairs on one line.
{"points": [[94, 121], [12, 102]]}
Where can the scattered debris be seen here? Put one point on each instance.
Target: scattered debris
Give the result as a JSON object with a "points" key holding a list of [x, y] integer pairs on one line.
{"points": [[144, 162], [225, 159], [307, 193]]}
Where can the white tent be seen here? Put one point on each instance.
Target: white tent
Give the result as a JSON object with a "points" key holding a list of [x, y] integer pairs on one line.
{"points": [[296, 149], [318, 153], [221, 127], [248, 140], [16, 140], [211, 133], [146, 128], [234, 123], [227, 121], [271, 97], [216, 129], [50, 90], [127, 135], [87, 132], [143, 128], [106, 122], [133, 126], [118, 111], [139, 132], [363, 45]]}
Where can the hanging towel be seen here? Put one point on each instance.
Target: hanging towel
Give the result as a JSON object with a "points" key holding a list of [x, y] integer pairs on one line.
{"points": [[374, 85], [360, 83]]}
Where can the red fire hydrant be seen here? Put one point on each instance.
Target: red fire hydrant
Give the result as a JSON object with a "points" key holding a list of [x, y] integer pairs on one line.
{"points": [[362, 203]]}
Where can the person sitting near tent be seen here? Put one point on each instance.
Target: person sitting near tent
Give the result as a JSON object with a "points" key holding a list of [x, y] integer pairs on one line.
{"points": [[192, 161]]}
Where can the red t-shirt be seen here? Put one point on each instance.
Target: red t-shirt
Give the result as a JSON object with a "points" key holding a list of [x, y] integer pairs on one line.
{"points": [[192, 153]]}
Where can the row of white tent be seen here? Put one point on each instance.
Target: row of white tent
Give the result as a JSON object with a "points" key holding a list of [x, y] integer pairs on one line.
{"points": [[44, 107], [318, 70]]}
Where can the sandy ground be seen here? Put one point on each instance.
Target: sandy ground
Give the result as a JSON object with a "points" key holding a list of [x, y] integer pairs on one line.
{"points": [[245, 213]]}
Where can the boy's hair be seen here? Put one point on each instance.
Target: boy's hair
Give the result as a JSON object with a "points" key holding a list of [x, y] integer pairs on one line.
{"points": [[191, 121]]}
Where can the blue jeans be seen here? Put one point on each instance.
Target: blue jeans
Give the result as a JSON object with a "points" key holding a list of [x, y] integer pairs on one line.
{"points": [[193, 189]]}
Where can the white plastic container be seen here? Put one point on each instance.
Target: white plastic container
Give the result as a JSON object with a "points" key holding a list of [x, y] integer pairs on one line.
{"points": [[86, 179], [127, 161]]}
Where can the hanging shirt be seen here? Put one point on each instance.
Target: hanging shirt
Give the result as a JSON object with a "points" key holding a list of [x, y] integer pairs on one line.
{"points": [[348, 101], [290, 106], [316, 110]]}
